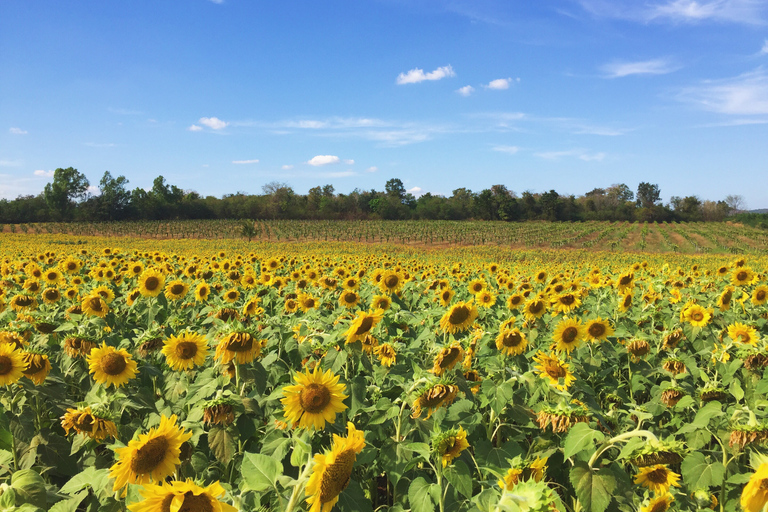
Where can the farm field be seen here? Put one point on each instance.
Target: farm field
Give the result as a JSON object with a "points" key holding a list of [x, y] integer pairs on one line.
{"points": [[686, 238], [356, 375]]}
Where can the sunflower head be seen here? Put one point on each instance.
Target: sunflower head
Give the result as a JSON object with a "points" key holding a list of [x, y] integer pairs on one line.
{"points": [[110, 366], [315, 399], [449, 444], [185, 351], [332, 470], [151, 283], [181, 496], [459, 317], [433, 397], [447, 358], [12, 364], [240, 346]]}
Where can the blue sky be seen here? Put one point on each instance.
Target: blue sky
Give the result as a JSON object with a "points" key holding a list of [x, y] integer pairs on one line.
{"points": [[225, 96]]}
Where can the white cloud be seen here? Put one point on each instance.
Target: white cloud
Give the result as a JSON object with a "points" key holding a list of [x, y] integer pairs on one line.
{"points": [[323, 160], [764, 49], [595, 157], [240, 162], [645, 67], [751, 12], [195, 128], [499, 83], [745, 94], [287, 167], [507, 149], [47, 174], [416, 191], [93, 189], [574, 153], [372, 168], [466, 90], [18, 131], [349, 162], [214, 123], [417, 75]]}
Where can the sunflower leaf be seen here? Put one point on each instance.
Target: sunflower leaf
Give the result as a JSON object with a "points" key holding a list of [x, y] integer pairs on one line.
{"points": [[459, 477], [698, 473], [593, 488], [580, 437], [419, 497], [352, 499], [259, 472], [222, 444]]}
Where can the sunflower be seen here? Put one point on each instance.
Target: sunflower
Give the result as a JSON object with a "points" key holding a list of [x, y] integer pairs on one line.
{"points": [[152, 457], [459, 317], [231, 295], [659, 504], [658, 478], [535, 308], [307, 302], [239, 346], [252, 308], [552, 368], [381, 302], [448, 445], [84, 421], [568, 335], [514, 301], [315, 399], [37, 367], [51, 295], [332, 470], [105, 292], [447, 358], [724, 300], [696, 315], [476, 286], [760, 295], [386, 353], [432, 398], [77, 346], [291, 305], [445, 296], [625, 302], [202, 291], [391, 282], [598, 330], [12, 364], [185, 351], [743, 276], [16, 340], [741, 333], [151, 283], [349, 298], [177, 496], [363, 325], [22, 303], [485, 299], [111, 367], [566, 302], [511, 342], [754, 497], [625, 282], [94, 305], [176, 289]]}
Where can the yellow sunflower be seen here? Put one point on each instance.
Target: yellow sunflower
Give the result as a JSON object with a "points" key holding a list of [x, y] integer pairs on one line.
{"points": [[307, 302], [84, 421], [658, 478], [625, 301], [94, 305], [485, 299], [459, 317], [568, 335], [111, 367], [391, 282], [12, 364], [51, 295], [566, 302], [150, 458], [598, 330], [176, 290], [349, 298], [724, 300], [535, 308], [151, 283], [515, 300], [432, 398], [231, 295], [661, 504], [743, 276], [741, 333], [447, 358], [202, 291], [760, 295], [552, 368], [696, 315], [450, 444], [381, 302], [445, 296], [476, 286], [239, 346], [37, 367], [315, 399], [511, 342], [332, 470], [362, 325], [386, 353], [185, 351], [754, 497], [181, 496], [22, 303]]}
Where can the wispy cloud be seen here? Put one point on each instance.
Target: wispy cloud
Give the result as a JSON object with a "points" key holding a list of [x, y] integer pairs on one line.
{"points": [[323, 160], [507, 149], [45, 174], [287, 167], [466, 90], [100, 144], [10, 163], [18, 131], [499, 84], [644, 67], [417, 75], [349, 161], [416, 191], [745, 94], [764, 49], [581, 154], [372, 168], [214, 123], [195, 128], [243, 162], [751, 12]]}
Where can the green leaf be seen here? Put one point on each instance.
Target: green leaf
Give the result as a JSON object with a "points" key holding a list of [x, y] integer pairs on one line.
{"points": [[419, 497], [222, 444], [698, 473], [96, 479], [702, 418], [458, 475], [352, 499], [301, 449], [580, 437], [593, 488], [29, 488], [260, 472], [71, 504], [736, 390]]}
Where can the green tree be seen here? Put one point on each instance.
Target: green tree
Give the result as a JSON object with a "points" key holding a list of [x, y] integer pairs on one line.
{"points": [[68, 186], [115, 199], [648, 195]]}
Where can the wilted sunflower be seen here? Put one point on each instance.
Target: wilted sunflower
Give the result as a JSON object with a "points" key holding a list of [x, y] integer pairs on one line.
{"points": [[658, 478], [150, 458], [111, 367], [448, 445], [77, 346], [151, 283], [16, 340], [671, 396], [432, 398], [568, 335], [562, 417], [84, 421], [21, 303], [181, 496], [220, 411], [742, 435], [94, 305], [598, 329], [239, 346], [386, 353], [314, 400], [552, 368], [638, 348], [332, 470], [12, 364], [511, 342], [447, 358], [362, 325], [37, 367], [185, 351], [741, 333], [459, 317]]}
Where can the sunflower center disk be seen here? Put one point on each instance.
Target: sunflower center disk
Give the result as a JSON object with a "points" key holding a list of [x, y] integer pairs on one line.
{"points": [[113, 364], [35, 365], [336, 476], [512, 339], [556, 371], [391, 281], [195, 503], [658, 476], [151, 283], [240, 342], [570, 334], [596, 330], [741, 276], [314, 398], [186, 349], [567, 300], [177, 289], [365, 326], [459, 315], [149, 456], [95, 304], [6, 365]]}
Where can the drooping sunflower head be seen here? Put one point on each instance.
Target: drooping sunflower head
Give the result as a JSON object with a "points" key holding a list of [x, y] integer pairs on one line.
{"points": [[449, 444], [37, 367], [363, 325], [110, 366], [22, 303], [332, 470], [51, 295], [239, 346], [433, 397], [552, 368], [185, 351], [447, 358], [459, 317], [386, 353], [315, 399]]}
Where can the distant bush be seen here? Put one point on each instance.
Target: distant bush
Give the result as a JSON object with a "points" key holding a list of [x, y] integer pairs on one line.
{"points": [[758, 220]]}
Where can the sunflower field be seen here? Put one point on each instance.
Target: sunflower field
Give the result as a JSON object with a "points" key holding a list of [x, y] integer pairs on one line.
{"points": [[208, 376]]}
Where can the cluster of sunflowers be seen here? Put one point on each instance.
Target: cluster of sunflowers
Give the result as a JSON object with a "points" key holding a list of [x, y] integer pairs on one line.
{"points": [[210, 376]]}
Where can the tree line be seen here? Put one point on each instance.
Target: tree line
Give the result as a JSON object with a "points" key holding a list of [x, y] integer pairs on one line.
{"points": [[67, 198]]}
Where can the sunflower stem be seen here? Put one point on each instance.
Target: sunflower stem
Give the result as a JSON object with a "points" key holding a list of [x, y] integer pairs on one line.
{"points": [[621, 437], [300, 484]]}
